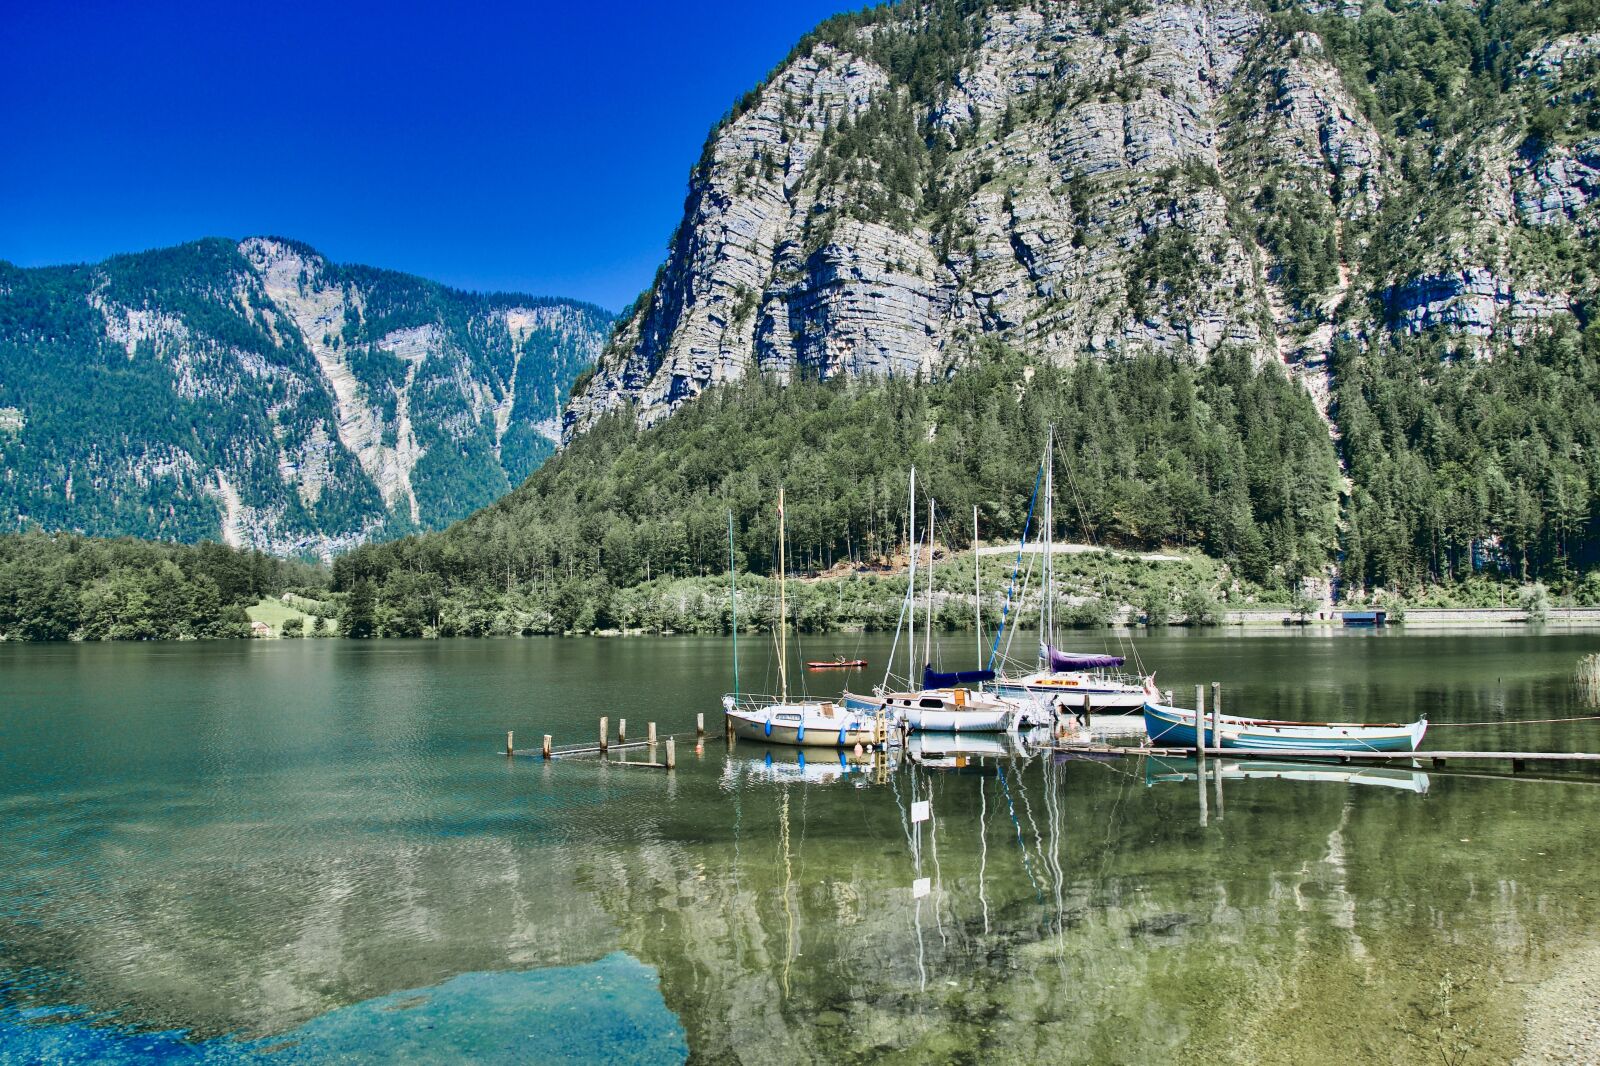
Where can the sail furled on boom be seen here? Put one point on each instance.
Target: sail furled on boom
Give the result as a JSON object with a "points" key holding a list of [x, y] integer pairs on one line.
{"points": [[931, 678], [1067, 660]]}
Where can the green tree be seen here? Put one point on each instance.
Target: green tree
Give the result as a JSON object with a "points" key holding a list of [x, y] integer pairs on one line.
{"points": [[1198, 609], [359, 617], [1156, 606]]}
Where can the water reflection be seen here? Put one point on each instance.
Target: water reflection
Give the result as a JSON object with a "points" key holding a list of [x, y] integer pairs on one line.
{"points": [[1159, 770], [189, 870]]}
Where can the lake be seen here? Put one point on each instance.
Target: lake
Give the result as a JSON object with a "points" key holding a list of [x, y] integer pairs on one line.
{"points": [[304, 851]]}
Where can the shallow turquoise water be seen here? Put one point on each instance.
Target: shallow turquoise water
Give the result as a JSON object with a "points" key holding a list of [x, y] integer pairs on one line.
{"points": [[262, 849]]}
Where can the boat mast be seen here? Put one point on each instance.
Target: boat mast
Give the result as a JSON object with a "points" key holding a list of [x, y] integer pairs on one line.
{"points": [[927, 645], [733, 604], [1049, 569], [783, 613], [977, 585], [911, 584]]}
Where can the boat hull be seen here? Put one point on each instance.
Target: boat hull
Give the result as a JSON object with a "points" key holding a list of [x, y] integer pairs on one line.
{"points": [[1175, 727], [937, 710], [1104, 697], [803, 725]]}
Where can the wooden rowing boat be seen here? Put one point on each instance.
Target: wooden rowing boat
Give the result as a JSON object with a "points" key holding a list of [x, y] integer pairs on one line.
{"points": [[841, 663], [1174, 726]]}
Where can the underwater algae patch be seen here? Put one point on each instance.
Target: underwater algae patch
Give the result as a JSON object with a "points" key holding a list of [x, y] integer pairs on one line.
{"points": [[608, 1011]]}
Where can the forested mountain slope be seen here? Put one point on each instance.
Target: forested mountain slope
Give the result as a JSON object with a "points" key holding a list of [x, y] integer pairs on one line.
{"points": [[1393, 200], [1226, 456], [257, 393]]}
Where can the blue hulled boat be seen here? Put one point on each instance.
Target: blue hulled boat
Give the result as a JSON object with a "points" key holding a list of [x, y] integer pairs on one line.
{"points": [[1174, 727]]}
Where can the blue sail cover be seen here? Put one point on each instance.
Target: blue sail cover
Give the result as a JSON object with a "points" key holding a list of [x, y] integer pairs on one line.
{"points": [[1066, 660], [932, 679]]}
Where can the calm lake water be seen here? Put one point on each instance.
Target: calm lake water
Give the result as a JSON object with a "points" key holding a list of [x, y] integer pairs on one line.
{"points": [[306, 851]]}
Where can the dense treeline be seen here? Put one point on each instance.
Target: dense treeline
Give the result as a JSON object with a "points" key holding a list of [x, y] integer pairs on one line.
{"points": [[1151, 450], [1472, 463], [71, 587]]}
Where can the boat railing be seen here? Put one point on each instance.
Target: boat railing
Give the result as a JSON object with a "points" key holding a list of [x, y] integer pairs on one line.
{"points": [[760, 700]]}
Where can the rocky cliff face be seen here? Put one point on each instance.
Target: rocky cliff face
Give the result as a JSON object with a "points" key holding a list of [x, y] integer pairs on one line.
{"points": [[260, 393], [1082, 179]]}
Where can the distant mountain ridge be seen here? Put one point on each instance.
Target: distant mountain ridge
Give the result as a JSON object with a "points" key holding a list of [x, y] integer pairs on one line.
{"points": [[257, 393]]}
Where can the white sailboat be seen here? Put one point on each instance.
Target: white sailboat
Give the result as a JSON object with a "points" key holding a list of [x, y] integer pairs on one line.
{"points": [[778, 719], [1069, 682]]}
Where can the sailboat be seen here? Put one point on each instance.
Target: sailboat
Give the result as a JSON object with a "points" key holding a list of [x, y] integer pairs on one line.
{"points": [[778, 719], [941, 704], [1069, 681]]}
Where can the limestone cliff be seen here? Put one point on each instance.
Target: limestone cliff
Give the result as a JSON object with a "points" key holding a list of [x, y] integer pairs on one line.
{"points": [[1087, 178], [258, 392]]}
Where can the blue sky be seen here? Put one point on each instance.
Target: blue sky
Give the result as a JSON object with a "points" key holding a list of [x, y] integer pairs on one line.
{"points": [[534, 147]]}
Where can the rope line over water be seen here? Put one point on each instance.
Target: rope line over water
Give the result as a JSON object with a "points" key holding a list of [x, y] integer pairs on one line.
{"points": [[1516, 721]]}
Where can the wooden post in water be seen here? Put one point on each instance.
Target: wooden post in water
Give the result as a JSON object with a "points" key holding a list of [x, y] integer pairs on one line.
{"points": [[605, 734], [727, 728], [1216, 714], [622, 730], [700, 724], [672, 754], [650, 733], [508, 742], [545, 750], [1200, 719]]}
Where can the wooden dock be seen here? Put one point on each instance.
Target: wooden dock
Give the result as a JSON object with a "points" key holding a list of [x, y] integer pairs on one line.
{"points": [[604, 746], [1519, 760]]}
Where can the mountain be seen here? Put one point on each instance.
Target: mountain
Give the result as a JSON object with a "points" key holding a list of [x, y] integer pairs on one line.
{"points": [[1392, 201], [1110, 176], [258, 393]]}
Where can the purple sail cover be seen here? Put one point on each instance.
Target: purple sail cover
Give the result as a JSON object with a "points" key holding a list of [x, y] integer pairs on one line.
{"points": [[1066, 660]]}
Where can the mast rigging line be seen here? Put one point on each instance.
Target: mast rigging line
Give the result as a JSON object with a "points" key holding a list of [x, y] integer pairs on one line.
{"points": [[1124, 645], [1016, 567]]}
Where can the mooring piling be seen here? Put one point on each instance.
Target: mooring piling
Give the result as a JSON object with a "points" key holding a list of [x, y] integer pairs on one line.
{"points": [[510, 747], [605, 733], [672, 754], [700, 724], [622, 730], [650, 734], [1200, 720], [1216, 714], [545, 750]]}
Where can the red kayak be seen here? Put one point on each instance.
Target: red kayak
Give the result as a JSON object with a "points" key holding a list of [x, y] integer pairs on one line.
{"points": [[837, 664]]}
